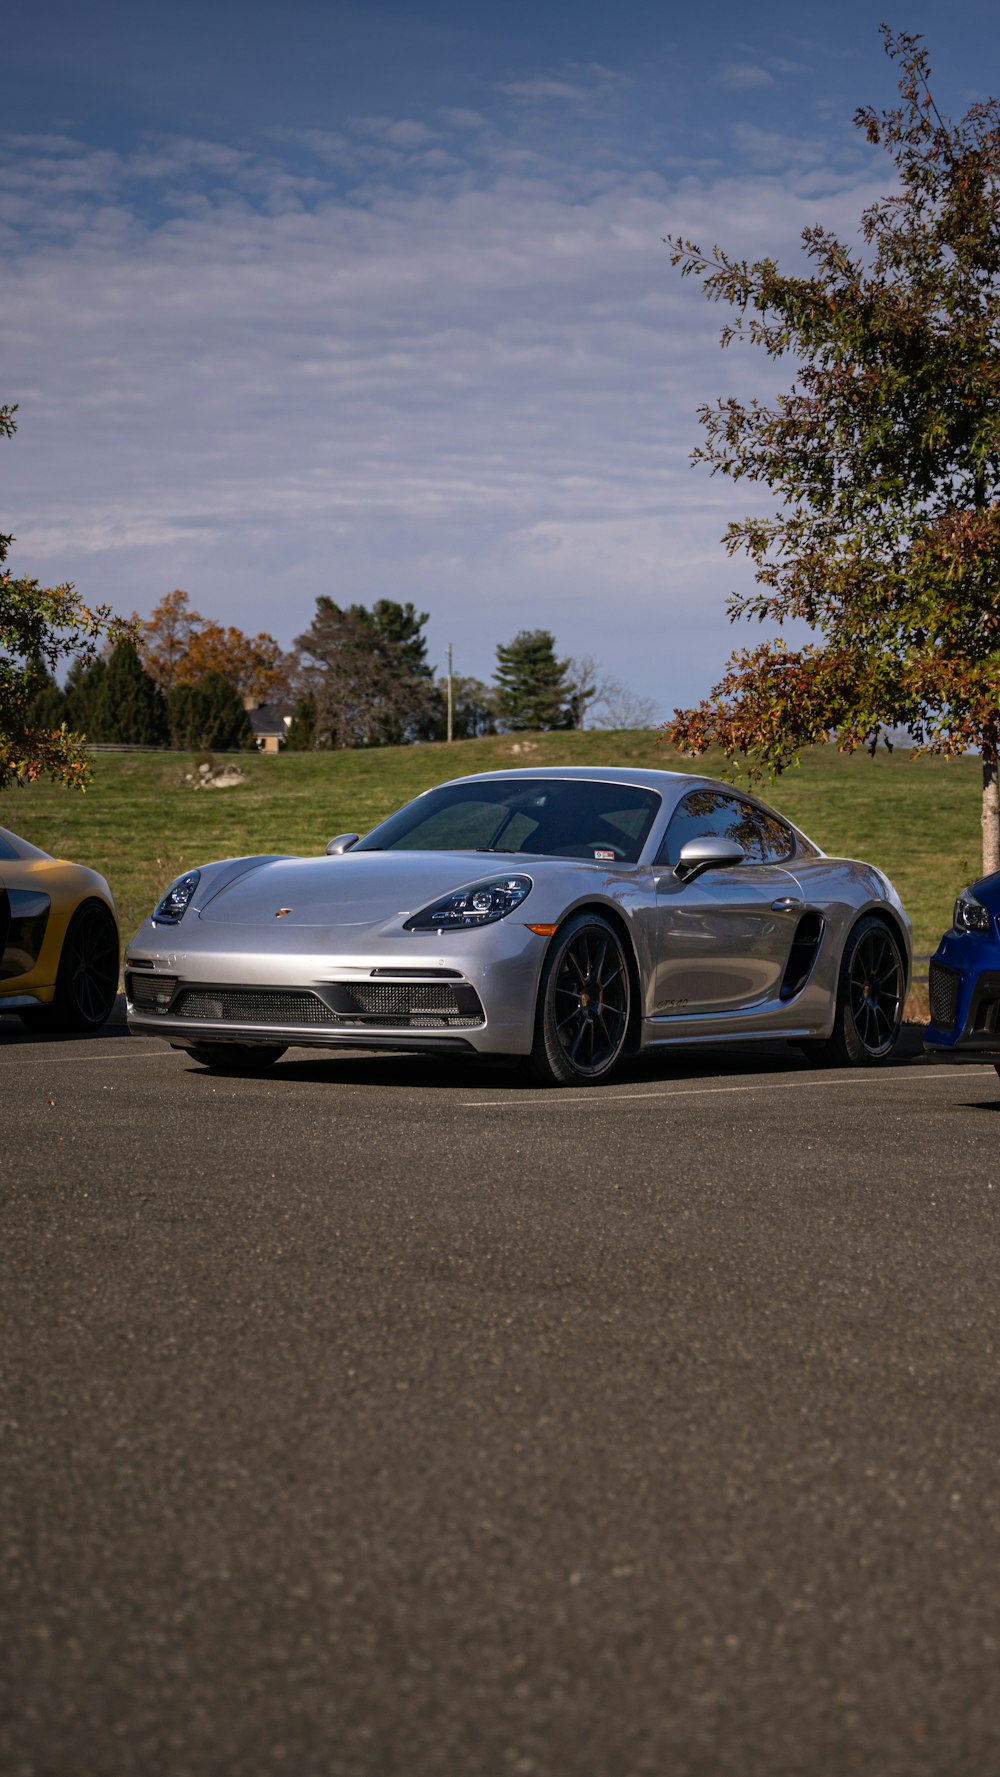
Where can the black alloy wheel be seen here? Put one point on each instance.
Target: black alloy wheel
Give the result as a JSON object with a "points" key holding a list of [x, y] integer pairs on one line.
{"points": [[583, 1005], [869, 999], [876, 990], [87, 981], [237, 1058]]}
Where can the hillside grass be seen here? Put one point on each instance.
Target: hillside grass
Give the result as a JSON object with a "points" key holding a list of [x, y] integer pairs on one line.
{"points": [[141, 822]]}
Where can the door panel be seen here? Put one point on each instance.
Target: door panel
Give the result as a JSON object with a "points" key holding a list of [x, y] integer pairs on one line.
{"points": [[723, 940]]}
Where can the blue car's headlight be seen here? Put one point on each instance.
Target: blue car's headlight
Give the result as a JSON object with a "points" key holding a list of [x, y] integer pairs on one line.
{"points": [[175, 902], [970, 915], [479, 905]]}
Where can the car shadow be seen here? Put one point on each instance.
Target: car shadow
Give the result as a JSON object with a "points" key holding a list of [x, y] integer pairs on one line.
{"points": [[12, 1031], [507, 1075]]}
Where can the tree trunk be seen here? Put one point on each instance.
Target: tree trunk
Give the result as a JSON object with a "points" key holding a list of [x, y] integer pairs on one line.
{"points": [[991, 811]]}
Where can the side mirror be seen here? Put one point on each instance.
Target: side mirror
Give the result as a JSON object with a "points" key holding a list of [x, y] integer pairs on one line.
{"points": [[708, 852], [342, 843]]}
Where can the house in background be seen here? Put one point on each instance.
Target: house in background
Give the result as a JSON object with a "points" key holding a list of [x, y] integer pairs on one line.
{"points": [[270, 723]]}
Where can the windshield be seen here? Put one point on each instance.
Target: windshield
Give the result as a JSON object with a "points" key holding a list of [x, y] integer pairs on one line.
{"points": [[554, 817]]}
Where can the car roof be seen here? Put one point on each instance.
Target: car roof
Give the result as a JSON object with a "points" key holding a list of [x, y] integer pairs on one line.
{"points": [[640, 777]]}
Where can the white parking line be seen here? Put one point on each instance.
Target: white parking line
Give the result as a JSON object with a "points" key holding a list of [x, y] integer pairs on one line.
{"points": [[559, 1099], [41, 1051]]}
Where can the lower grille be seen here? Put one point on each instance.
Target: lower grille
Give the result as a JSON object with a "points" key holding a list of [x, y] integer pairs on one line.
{"points": [[402, 999], [942, 986], [150, 993], [243, 1006], [424, 1005]]}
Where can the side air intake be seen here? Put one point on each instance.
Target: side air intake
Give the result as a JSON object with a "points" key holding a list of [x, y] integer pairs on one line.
{"points": [[805, 948]]}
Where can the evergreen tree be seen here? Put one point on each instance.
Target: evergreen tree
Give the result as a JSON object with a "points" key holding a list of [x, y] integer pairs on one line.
{"points": [[301, 736], [371, 689], [208, 716], [531, 683], [129, 706], [46, 705], [402, 627], [83, 696]]}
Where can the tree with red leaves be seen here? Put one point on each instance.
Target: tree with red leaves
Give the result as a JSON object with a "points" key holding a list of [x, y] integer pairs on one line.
{"points": [[884, 455]]}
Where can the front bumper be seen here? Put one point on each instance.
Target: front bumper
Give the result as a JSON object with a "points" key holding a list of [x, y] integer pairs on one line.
{"points": [[469, 992], [964, 992]]}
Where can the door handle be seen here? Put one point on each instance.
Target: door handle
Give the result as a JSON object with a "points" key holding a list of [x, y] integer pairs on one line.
{"points": [[785, 904]]}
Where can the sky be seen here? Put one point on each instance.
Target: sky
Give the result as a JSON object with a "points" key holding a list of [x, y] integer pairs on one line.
{"points": [[373, 301]]}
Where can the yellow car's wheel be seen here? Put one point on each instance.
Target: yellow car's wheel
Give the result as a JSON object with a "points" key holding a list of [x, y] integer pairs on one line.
{"points": [[87, 981]]}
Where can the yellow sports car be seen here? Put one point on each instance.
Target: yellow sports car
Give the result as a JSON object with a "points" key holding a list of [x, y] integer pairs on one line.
{"points": [[58, 940]]}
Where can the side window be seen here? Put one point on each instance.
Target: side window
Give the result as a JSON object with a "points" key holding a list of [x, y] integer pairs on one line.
{"points": [[699, 813], [763, 837], [777, 841]]}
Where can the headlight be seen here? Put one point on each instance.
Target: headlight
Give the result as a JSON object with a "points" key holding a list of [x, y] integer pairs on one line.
{"points": [[175, 902], [970, 915], [479, 905]]}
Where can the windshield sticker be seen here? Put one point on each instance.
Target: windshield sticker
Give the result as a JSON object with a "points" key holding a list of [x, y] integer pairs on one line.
{"points": [[609, 855]]}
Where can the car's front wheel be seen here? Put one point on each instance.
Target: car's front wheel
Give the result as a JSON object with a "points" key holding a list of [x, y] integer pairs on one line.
{"points": [[237, 1058], [87, 979], [582, 1016], [869, 999]]}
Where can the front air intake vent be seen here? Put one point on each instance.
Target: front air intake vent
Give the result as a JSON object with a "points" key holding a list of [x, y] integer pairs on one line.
{"points": [[422, 1004], [253, 1006], [149, 992], [402, 999], [942, 992]]}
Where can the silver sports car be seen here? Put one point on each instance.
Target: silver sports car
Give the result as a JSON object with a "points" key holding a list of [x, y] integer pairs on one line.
{"points": [[569, 916]]}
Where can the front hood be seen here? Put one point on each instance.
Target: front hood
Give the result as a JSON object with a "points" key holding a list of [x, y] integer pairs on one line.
{"points": [[356, 889], [987, 891]]}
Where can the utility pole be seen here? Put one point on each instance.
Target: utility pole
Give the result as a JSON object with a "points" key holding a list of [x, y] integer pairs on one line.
{"points": [[450, 698]]}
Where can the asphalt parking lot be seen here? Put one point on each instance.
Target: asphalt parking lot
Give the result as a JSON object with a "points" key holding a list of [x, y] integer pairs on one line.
{"points": [[384, 1416]]}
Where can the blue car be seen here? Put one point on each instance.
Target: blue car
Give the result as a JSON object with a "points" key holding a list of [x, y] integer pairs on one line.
{"points": [[964, 979]]}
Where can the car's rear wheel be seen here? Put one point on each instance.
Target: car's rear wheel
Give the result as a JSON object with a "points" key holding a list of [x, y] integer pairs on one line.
{"points": [[582, 1016], [869, 999], [237, 1058], [87, 980]]}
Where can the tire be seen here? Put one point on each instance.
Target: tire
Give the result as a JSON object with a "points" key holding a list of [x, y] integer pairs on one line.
{"points": [[584, 1001], [248, 1059], [869, 999], [87, 979]]}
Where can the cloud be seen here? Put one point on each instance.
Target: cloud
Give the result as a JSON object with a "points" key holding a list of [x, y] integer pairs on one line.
{"points": [[781, 65], [538, 90], [771, 150], [458, 117], [401, 132], [472, 382], [742, 76]]}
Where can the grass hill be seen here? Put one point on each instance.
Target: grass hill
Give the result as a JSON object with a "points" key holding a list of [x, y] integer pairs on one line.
{"points": [[141, 823]]}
